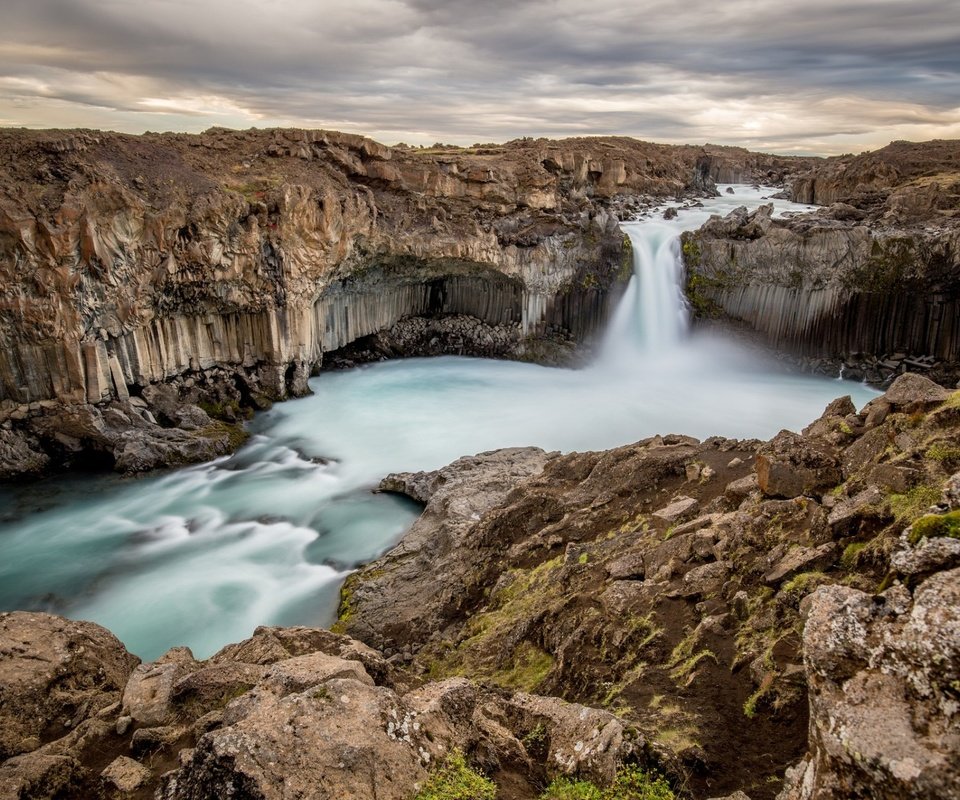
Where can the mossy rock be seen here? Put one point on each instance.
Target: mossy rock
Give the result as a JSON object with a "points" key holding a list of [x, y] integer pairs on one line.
{"points": [[933, 525], [631, 783]]}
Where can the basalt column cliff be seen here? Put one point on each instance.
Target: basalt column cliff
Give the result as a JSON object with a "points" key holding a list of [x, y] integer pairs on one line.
{"points": [[154, 286], [870, 281]]}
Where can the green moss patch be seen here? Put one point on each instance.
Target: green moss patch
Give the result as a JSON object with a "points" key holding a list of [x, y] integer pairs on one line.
{"points": [[529, 668], [455, 780], [631, 783], [909, 506], [933, 525]]}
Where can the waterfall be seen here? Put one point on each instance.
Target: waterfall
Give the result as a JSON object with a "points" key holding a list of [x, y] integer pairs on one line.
{"points": [[653, 315]]}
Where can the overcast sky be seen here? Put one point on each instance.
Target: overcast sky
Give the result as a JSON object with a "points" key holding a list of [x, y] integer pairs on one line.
{"points": [[819, 76]]}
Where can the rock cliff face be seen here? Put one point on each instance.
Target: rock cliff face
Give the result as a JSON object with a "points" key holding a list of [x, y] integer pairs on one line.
{"points": [[128, 260], [875, 274], [233, 261]]}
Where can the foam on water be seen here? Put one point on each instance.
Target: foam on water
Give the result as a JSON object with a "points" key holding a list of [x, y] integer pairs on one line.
{"points": [[202, 555]]}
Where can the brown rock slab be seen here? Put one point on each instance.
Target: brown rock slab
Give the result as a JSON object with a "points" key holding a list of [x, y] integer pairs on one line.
{"points": [[737, 491], [705, 579], [126, 775], [846, 515], [790, 466], [628, 567], [301, 672], [147, 695], [800, 559], [865, 451], [212, 686], [679, 510], [54, 673]]}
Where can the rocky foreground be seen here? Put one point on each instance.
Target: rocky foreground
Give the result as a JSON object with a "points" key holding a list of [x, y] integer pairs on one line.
{"points": [[776, 618]]}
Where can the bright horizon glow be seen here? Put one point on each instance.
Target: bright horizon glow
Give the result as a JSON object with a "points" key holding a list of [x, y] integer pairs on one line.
{"points": [[816, 79]]}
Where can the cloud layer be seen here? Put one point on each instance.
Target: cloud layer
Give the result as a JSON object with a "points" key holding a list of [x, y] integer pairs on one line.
{"points": [[812, 77]]}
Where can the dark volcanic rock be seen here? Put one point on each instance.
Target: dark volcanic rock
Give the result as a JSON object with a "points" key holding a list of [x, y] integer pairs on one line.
{"points": [[869, 284], [395, 602], [791, 466]]}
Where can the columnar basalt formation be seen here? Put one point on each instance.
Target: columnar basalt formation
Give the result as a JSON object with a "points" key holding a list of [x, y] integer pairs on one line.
{"points": [[874, 274], [237, 259]]}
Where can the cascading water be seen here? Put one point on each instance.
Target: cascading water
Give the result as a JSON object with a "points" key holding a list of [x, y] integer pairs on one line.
{"points": [[653, 314], [202, 555]]}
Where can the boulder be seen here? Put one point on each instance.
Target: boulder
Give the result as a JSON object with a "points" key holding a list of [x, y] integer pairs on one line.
{"points": [[583, 741], [148, 694], [125, 775], [38, 776], [866, 450], [951, 491], [930, 554], [882, 675], [914, 391], [270, 645], [705, 579], [737, 491], [628, 567], [301, 672], [679, 510], [54, 673], [212, 686], [790, 466]]}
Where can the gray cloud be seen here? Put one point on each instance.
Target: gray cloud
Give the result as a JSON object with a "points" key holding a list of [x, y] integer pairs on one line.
{"points": [[819, 76]]}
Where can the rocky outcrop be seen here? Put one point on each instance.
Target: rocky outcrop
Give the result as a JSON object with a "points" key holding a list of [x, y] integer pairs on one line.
{"points": [[54, 675], [872, 279], [289, 711], [884, 674], [883, 677], [669, 581], [455, 497], [906, 181]]}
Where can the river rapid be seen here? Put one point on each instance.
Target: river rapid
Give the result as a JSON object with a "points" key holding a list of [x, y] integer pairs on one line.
{"points": [[202, 555]]}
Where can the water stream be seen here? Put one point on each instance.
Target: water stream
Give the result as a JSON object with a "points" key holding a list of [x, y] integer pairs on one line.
{"points": [[202, 555]]}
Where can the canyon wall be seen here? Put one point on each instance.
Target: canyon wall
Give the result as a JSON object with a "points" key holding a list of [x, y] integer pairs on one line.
{"points": [[875, 274], [224, 266], [130, 260]]}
